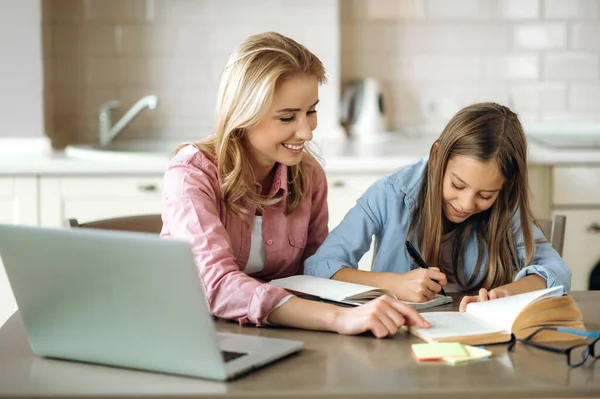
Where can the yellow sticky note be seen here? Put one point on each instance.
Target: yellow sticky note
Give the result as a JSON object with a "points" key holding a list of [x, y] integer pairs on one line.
{"points": [[439, 351], [474, 353]]}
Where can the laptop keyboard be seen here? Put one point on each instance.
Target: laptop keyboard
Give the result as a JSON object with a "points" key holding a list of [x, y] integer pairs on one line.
{"points": [[230, 355]]}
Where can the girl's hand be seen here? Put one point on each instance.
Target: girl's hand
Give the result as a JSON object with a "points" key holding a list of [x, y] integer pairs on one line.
{"points": [[418, 285], [382, 316], [484, 295]]}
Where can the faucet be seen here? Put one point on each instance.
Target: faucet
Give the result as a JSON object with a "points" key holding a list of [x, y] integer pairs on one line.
{"points": [[108, 133]]}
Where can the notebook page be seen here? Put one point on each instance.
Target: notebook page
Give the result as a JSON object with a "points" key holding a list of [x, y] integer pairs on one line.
{"points": [[502, 312], [435, 301], [454, 324], [321, 287]]}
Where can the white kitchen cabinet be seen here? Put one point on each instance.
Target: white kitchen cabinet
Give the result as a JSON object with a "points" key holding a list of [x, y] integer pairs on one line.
{"points": [[18, 200], [576, 194], [343, 191], [18, 205], [576, 185], [582, 244], [88, 198], [97, 197], [540, 183]]}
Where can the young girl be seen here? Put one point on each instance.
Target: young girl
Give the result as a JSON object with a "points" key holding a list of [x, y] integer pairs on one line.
{"points": [[252, 201], [466, 207]]}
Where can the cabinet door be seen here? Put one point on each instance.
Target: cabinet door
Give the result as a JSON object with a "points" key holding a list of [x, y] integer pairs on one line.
{"points": [[18, 200], [98, 197], [575, 185], [582, 244], [343, 192], [18, 205], [540, 182]]}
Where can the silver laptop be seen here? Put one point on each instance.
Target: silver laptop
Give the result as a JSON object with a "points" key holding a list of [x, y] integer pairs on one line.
{"points": [[123, 299]]}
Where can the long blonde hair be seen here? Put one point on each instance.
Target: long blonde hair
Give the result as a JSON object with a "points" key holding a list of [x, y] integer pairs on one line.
{"points": [[486, 132], [245, 94]]}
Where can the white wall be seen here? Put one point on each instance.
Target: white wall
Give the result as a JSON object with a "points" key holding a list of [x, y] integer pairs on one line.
{"points": [[540, 57], [21, 87]]}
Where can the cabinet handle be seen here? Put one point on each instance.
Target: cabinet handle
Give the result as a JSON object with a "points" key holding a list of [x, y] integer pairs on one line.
{"points": [[594, 228], [147, 187], [339, 183]]}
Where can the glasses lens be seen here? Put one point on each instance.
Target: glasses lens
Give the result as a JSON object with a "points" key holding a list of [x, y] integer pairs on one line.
{"points": [[597, 349], [579, 354]]}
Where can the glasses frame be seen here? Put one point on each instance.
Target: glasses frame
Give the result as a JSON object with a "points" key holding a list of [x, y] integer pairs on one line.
{"points": [[566, 351]]}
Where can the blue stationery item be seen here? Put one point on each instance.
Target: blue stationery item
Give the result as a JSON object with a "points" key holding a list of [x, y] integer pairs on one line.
{"points": [[419, 261], [588, 334]]}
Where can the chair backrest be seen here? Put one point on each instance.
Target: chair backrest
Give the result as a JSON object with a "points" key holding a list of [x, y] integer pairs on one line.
{"points": [[554, 230], [140, 223]]}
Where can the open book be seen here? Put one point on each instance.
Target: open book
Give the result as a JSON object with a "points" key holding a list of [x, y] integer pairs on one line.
{"points": [[343, 292], [494, 321]]}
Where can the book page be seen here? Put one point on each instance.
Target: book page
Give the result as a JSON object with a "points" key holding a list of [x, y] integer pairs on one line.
{"points": [[502, 312], [325, 288], [454, 324]]}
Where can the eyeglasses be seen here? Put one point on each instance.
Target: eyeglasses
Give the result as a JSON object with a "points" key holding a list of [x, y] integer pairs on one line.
{"points": [[576, 354]]}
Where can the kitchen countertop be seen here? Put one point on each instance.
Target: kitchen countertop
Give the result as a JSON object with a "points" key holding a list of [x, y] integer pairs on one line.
{"points": [[35, 157]]}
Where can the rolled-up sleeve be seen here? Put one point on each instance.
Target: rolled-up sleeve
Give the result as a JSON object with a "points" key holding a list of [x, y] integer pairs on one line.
{"points": [[351, 239], [191, 213], [546, 262]]}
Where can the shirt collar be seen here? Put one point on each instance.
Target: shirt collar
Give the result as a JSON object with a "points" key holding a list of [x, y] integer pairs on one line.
{"points": [[280, 180], [279, 187]]}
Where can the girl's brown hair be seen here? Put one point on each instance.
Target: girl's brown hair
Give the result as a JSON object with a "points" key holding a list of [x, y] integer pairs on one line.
{"points": [[245, 94], [486, 132]]}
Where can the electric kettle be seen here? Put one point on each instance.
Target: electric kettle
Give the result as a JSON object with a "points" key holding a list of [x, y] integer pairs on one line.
{"points": [[362, 109]]}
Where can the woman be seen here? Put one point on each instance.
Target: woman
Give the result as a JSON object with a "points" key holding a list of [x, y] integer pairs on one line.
{"points": [[251, 200]]}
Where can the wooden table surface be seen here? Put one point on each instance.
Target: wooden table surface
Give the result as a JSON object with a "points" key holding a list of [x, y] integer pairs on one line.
{"points": [[330, 366]]}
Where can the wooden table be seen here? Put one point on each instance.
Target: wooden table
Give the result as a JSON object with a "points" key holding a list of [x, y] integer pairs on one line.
{"points": [[330, 366]]}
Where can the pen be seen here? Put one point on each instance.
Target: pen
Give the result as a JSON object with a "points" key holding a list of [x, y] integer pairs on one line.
{"points": [[419, 261]]}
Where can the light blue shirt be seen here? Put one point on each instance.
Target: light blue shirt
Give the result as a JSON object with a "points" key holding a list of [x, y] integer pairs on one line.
{"points": [[383, 212]]}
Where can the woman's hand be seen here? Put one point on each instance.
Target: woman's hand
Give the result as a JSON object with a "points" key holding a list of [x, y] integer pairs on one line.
{"points": [[484, 295], [418, 285], [382, 316]]}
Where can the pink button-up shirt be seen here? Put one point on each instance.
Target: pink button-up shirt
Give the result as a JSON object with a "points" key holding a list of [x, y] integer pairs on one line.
{"points": [[194, 210]]}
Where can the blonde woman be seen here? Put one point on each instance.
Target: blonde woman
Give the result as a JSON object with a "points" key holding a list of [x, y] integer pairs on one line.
{"points": [[251, 200], [466, 207]]}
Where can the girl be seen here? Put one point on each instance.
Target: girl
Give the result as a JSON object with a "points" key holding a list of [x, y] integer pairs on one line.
{"points": [[252, 201], [466, 207]]}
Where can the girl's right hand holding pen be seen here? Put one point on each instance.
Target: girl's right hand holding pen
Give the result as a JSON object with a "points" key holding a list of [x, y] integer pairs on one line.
{"points": [[418, 285]]}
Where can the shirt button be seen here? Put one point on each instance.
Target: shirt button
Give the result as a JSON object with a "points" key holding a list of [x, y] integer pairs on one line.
{"points": [[269, 242]]}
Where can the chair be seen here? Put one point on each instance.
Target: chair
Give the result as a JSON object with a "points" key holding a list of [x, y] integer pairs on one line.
{"points": [[141, 223], [554, 230]]}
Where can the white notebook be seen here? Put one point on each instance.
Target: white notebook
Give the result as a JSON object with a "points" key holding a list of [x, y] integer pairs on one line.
{"points": [[346, 293]]}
